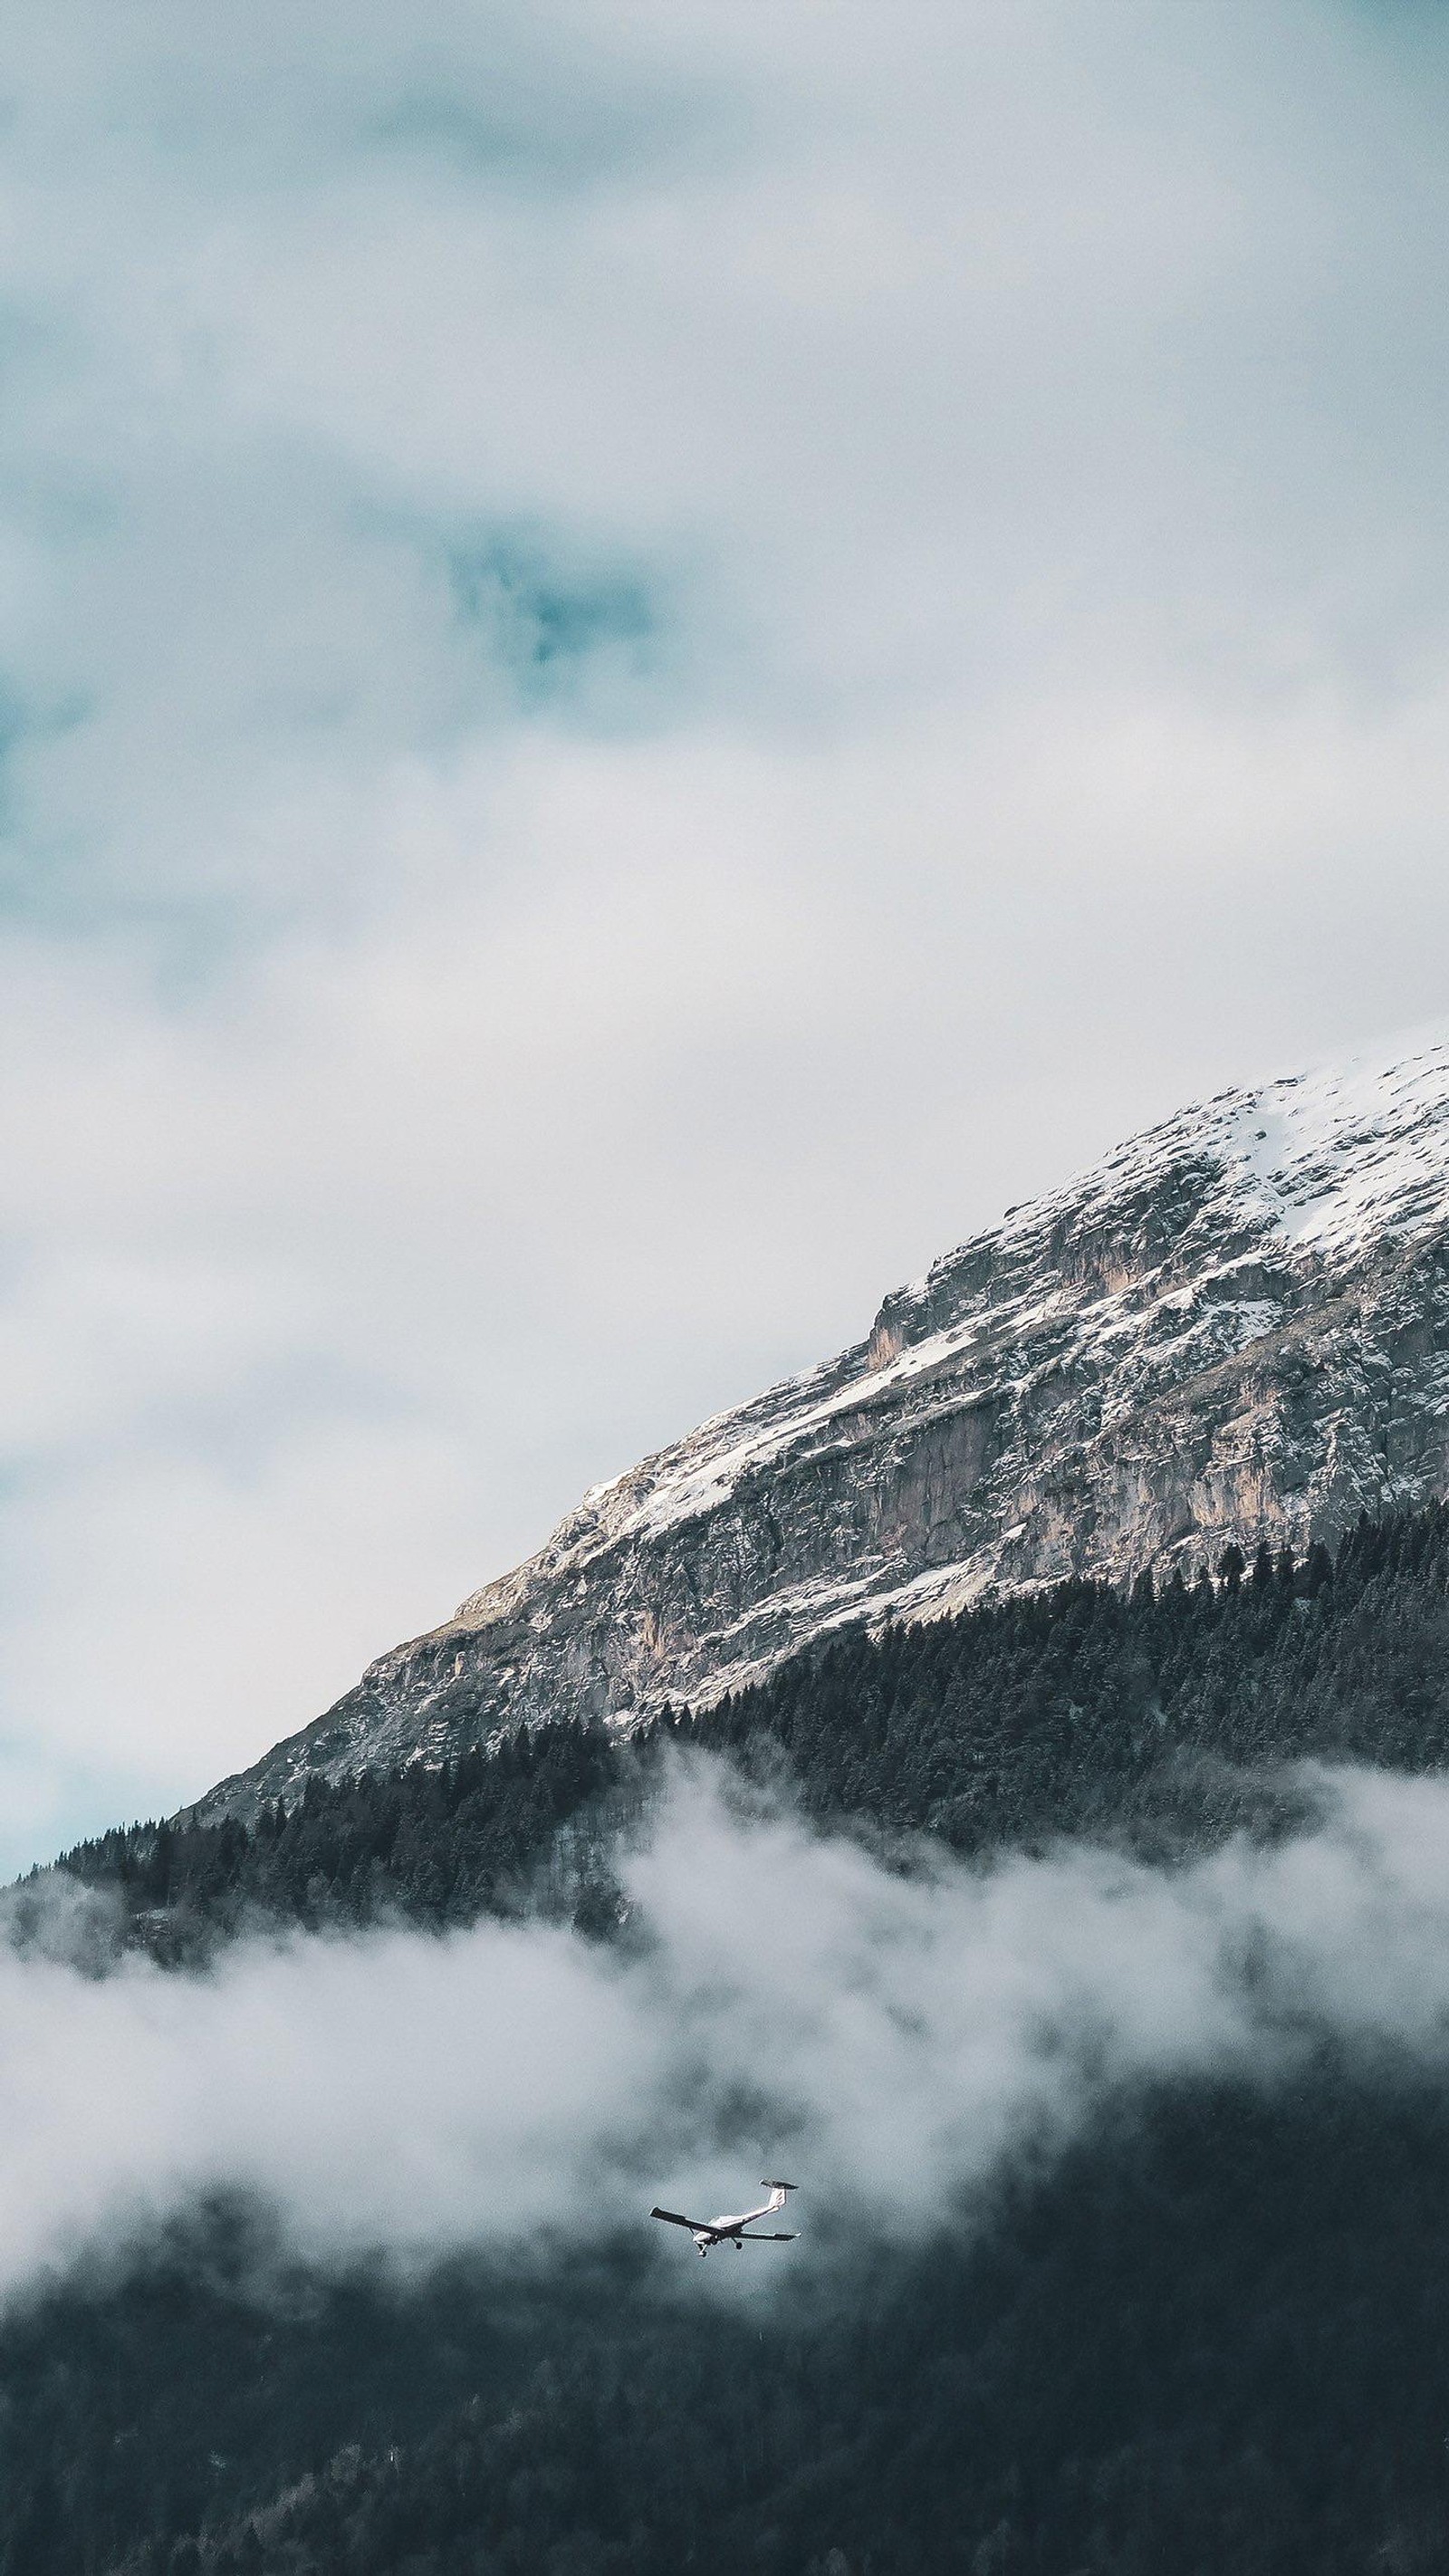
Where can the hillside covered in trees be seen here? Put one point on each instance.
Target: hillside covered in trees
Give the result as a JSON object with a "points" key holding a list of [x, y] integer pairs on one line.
{"points": [[1159, 1717], [1214, 2340], [1212, 2336]]}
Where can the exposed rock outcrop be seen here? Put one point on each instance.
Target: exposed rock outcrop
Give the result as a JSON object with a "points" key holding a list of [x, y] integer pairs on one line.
{"points": [[1236, 1326]]}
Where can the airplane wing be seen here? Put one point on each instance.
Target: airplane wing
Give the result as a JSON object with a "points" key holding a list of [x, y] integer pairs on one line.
{"points": [[675, 2220], [745, 2238]]}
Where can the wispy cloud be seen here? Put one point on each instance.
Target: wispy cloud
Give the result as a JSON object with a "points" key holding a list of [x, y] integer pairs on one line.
{"points": [[895, 2039]]}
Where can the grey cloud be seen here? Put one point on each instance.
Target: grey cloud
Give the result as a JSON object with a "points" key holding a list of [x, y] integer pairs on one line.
{"points": [[567, 121], [273, 666], [994, 361], [520, 95]]}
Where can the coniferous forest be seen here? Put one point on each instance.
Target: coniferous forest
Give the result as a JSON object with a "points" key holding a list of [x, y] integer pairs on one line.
{"points": [[1159, 1717], [1211, 2336]]}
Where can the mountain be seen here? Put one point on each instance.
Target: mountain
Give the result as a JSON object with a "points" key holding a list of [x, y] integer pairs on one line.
{"points": [[1234, 1327]]}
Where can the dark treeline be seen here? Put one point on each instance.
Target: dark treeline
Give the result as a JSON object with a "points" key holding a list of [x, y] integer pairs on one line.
{"points": [[1153, 1714], [1157, 1714], [518, 1827], [1214, 2339]]}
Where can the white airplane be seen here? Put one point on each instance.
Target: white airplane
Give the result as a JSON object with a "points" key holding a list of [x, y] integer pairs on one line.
{"points": [[732, 2231]]}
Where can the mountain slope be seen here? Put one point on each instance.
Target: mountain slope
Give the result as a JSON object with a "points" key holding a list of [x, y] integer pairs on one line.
{"points": [[1211, 2333], [1213, 2339], [1234, 1327], [1160, 1721]]}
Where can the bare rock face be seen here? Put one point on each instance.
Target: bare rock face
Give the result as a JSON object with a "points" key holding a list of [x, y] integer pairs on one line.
{"points": [[1235, 1327]]}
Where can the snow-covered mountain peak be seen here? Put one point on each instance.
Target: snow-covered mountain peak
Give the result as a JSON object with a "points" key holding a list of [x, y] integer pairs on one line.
{"points": [[1352, 1151], [1337, 1157], [1234, 1326], [1328, 1156]]}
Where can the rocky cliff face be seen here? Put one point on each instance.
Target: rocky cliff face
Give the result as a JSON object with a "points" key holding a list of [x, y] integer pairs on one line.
{"points": [[1235, 1327]]}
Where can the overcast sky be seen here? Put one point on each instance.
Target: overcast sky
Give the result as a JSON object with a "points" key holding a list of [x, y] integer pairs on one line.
{"points": [[651, 655]]}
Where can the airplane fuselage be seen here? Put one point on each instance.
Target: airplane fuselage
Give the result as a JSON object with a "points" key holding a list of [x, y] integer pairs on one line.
{"points": [[731, 2229]]}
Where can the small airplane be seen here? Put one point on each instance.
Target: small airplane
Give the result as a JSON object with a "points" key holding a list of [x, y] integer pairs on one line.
{"points": [[733, 2231]]}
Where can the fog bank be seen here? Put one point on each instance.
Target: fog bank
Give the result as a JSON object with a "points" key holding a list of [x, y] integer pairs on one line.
{"points": [[782, 2002]]}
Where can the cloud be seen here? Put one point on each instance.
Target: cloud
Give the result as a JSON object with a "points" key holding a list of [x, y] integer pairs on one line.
{"points": [[648, 660], [895, 2039], [901, 371], [505, 1186]]}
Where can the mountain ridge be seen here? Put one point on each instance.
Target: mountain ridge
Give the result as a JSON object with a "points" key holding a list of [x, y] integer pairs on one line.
{"points": [[1234, 1326]]}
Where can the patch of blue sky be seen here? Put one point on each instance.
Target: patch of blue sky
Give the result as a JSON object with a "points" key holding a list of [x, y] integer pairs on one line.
{"points": [[579, 635]]}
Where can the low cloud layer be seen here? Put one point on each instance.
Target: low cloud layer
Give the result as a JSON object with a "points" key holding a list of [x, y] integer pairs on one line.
{"points": [[784, 2001]]}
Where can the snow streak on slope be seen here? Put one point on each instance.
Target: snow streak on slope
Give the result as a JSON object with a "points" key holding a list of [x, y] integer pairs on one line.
{"points": [[1235, 1326]]}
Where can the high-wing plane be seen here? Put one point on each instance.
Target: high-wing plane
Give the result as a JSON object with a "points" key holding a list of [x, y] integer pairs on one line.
{"points": [[735, 2231]]}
